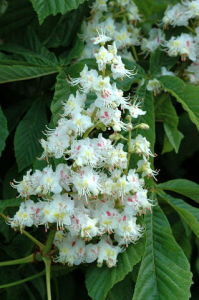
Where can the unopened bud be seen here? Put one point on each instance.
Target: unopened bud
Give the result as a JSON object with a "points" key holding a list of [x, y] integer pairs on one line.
{"points": [[129, 126], [144, 126]]}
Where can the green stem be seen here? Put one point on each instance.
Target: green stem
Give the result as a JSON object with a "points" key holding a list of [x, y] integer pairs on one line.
{"points": [[49, 242], [191, 29], [24, 260], [135, 53], [47, 263], [129, 149], [7, 285], [33, 239], [88, 131]]}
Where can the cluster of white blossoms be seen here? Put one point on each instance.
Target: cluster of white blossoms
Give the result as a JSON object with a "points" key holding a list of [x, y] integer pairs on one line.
{"points": [[181, 13], [94, 197]]}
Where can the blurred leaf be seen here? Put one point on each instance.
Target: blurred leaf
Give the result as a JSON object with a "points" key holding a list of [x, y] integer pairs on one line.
{"points": [[28, 133], [9, 203], [45, 8], [189, 214], [153, 10], [186, 94], [99, 281], [184, 187], [62, 91], [3, 131], [164, 272], [18, 15], [123, 290], [166, 112]]}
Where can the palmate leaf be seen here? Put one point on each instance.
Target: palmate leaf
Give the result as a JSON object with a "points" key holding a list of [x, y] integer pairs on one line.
{"points": [[3, 130], [184, 187], [188, 213], [45, 8], [164, 272], [186, 94], [99, 281], [28, 133]]}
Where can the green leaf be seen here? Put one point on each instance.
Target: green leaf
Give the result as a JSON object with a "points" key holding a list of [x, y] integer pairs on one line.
{"points": [[186, 94], [123, 290], [20, 71], [189, 214], [28, 133], [15, 202], [184, 187], [166, 112], [45, 8], [164, 272], [153, 10], [62, 91], [3, 130], [18, 15], [99, 281], [167, 147]]}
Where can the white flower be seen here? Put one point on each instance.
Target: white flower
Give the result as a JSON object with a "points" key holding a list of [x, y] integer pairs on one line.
{"points": [[80, 123], [164, 72], [141, 146], [102, 38], [87, 79], [103, 57], [135, 110], [71, 251], [107, 217], [193, 72], [116, 157], [89, 227], [111, 117], [84, 153], [183, 45], [122, 37], [176, 15], [145, 168], [24, 187], [27, 215], [74, 104], [86, 182], [191, 8], [59, 210], [127, 231], [156, 38], [119, 70], [132, 12], [154, 85], [107, 253], [100, 5], [135, 182], [49, 182], [91, 253]]}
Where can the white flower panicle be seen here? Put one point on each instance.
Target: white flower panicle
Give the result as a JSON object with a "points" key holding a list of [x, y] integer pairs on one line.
{"points": [[94, 197]]}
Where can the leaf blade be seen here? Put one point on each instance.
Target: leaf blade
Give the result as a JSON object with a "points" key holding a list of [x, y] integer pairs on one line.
{"points": [[165, 272]]}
